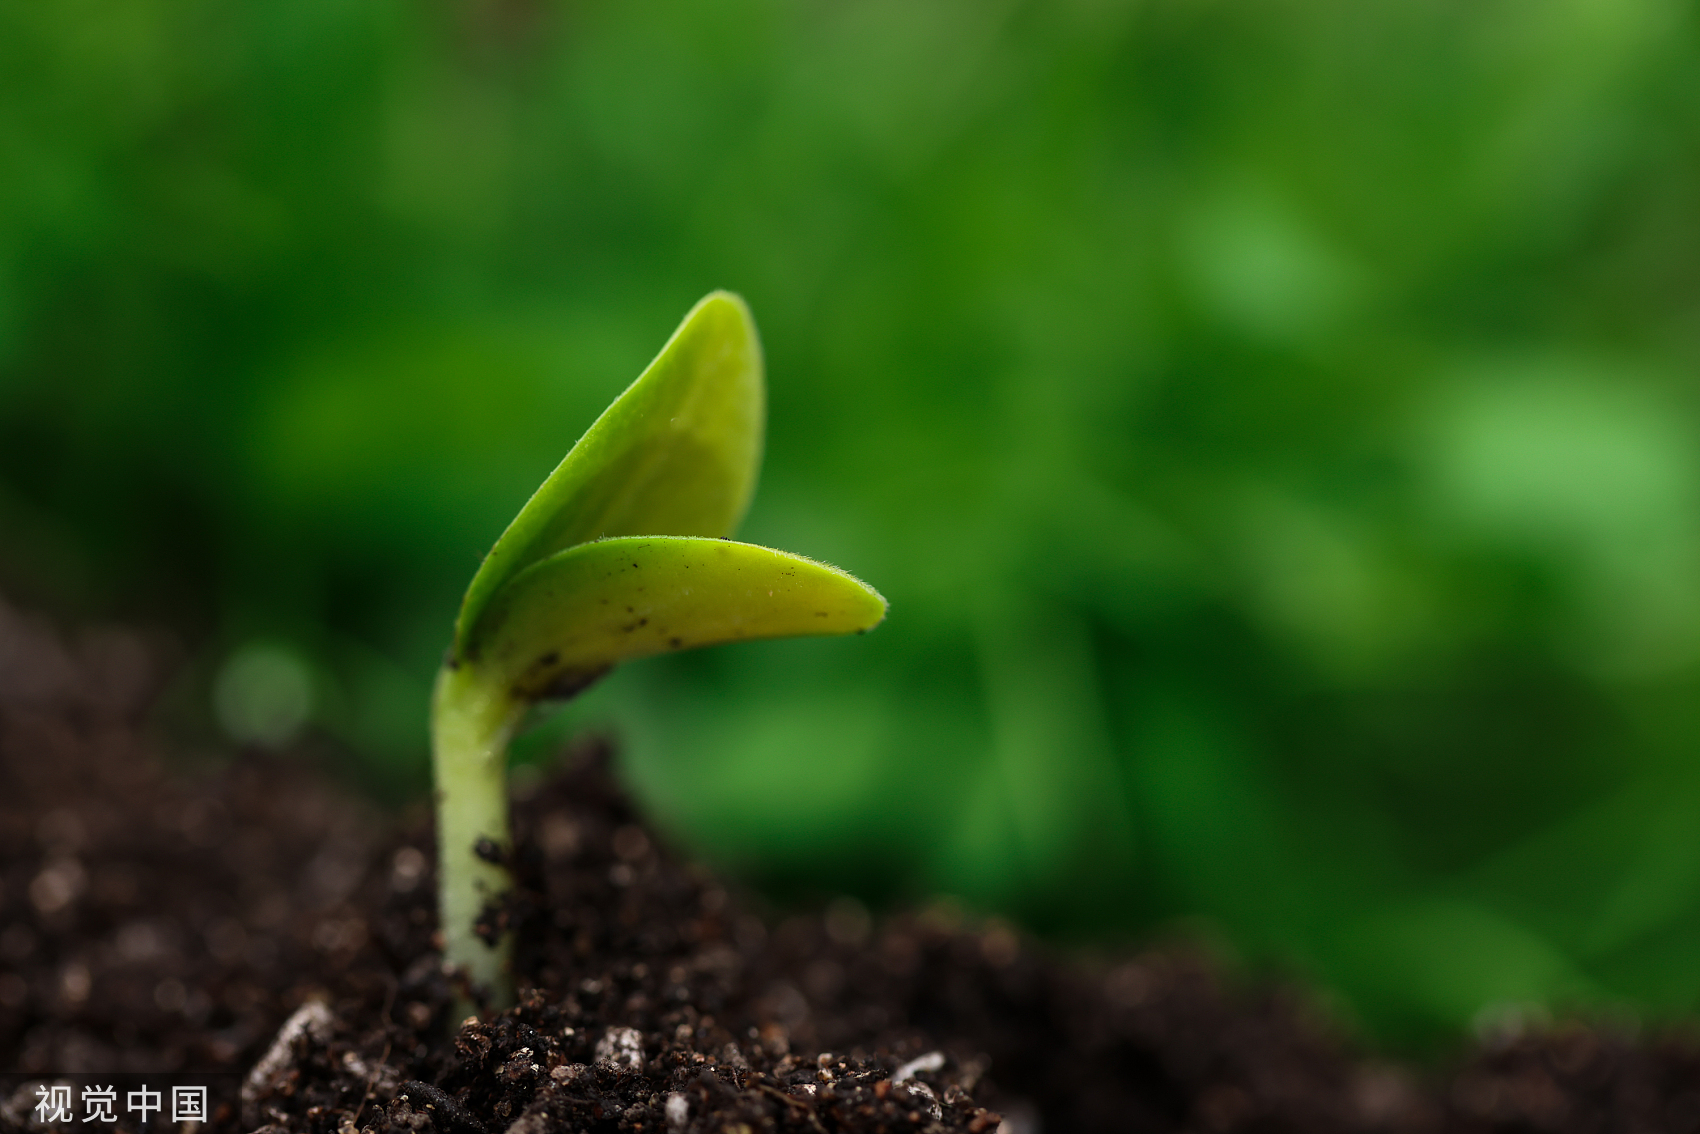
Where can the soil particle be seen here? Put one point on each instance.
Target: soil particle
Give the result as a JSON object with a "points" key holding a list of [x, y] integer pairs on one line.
{"points": [[249, 917]]}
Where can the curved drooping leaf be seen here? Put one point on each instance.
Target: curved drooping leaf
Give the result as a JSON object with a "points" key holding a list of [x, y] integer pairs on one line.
{"points": [[562, 622], [678, 453]]}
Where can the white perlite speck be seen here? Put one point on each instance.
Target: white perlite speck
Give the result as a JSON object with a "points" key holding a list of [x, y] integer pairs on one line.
{"points": [[313, 1019], [678, 1110], [620, 1049], [922, 1091], [569, 1073], [931, 1061]]}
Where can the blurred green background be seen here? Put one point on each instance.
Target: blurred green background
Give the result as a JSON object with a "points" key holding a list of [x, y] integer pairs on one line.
{"points": [[1273, 424]]}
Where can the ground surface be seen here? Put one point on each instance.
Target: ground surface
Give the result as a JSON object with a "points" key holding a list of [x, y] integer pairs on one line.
{"points": [[161, 918]]}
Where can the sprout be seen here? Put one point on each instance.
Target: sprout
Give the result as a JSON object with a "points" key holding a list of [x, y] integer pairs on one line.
{"points": [[622, 553]]}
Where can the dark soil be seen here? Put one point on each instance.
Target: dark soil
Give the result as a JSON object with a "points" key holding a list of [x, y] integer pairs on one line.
{"points": [[165, 921]]}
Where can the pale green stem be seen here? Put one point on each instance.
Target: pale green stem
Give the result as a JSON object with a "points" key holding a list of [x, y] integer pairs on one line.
{"points": [[471, 723]]}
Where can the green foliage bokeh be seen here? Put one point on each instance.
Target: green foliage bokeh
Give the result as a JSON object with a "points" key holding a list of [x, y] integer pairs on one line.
{"points": [[1273, 425]]}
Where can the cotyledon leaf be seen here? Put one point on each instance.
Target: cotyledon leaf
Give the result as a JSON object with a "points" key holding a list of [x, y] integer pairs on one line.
{"points": [[562, 622], [677, 453]]}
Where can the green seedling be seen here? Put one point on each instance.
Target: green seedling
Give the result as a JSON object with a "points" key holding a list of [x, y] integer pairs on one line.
{"points": [[622, 553]]}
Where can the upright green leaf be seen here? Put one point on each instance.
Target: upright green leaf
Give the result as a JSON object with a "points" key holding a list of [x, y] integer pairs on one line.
{"points": [[569, 618], [676, 454]]}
